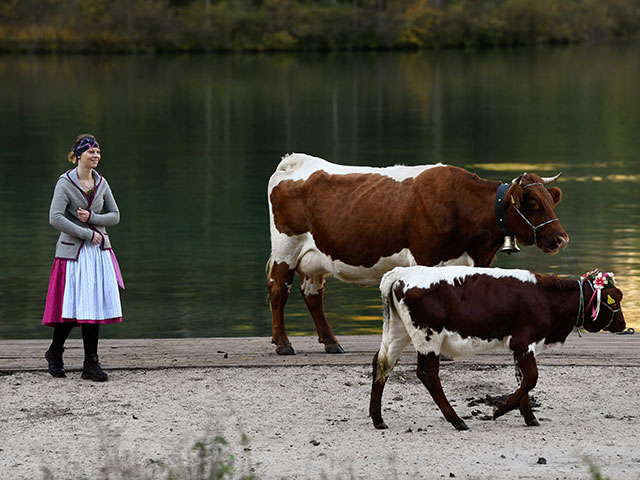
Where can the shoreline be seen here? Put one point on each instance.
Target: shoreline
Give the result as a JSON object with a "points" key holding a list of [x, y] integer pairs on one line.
{"points": [[594, 349]]}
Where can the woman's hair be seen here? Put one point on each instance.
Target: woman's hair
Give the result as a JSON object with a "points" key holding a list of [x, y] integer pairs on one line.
{"points": [[71, 156]]}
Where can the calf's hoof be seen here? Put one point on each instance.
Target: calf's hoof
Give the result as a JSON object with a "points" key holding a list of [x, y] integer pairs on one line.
{"points": [[498, 412], [533, 422], [381, 426], [285, 350], [461, 426], [334, 348]]}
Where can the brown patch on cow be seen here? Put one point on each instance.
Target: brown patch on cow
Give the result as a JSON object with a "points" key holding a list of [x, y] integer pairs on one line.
{"points": [[350, 216], [483, 307], [360, 218]]}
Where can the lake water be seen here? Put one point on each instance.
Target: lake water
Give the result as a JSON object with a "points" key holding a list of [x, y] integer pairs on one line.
{"points": [[189, 142]]}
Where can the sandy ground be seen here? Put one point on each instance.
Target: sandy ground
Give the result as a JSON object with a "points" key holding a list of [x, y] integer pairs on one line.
{"points": [[312, 422]]}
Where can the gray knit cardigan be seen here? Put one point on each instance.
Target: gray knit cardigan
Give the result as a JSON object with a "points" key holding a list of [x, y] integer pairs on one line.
{"points": [[68, 196]]}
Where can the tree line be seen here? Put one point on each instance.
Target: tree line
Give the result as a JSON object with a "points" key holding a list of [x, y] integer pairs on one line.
{"points": [[298, 25]]}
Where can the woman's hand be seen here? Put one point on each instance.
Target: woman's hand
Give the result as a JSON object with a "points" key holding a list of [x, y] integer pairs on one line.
{"points": [[97, 238], [83, 215]]}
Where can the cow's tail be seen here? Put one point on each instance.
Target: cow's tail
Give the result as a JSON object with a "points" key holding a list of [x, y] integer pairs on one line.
{"points": [[267, 272], [289, 162], [268, 266]]}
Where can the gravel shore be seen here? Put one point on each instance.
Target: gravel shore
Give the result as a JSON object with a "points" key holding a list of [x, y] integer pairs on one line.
{"points": [[312, 422]]}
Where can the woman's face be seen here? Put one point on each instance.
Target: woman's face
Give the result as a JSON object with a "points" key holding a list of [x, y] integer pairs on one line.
{"points": [[90, 158]]}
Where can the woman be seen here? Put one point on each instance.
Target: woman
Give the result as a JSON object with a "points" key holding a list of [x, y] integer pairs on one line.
{"points": [[83, 288]]}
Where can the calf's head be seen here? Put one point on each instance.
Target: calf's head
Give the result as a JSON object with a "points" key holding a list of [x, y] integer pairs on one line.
{"points": [[610, 317], [530, 215]]}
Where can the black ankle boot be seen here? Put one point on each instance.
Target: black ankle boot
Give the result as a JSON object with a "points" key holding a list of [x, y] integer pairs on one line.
{"points": [[92, 370], [56, 366]]}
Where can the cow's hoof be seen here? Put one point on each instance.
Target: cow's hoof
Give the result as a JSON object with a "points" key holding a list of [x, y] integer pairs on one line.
{"points": [[533, 423], [285, 350], [334, 348], [445, 358], [381, 426], [461, 426]]}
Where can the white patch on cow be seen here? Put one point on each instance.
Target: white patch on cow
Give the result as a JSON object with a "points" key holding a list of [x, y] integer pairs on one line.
{"points": [[311, 285], [455, 345], [539, 347], [299, 166], [463, 260], [370, 276], [300, 252], [425, 277]]}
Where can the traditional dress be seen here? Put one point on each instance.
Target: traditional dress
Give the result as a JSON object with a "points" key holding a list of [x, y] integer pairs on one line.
{"points": [[83, 287]]}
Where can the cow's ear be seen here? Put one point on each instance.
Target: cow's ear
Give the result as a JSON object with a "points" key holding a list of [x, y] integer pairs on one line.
{"points": [[515, 195], [556, 194]]}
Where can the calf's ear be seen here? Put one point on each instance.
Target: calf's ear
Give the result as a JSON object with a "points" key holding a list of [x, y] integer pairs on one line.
{"points": [[556, 194]]}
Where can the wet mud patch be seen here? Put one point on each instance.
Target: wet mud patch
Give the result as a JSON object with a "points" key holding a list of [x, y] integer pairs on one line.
{"points": [[491, 401]]}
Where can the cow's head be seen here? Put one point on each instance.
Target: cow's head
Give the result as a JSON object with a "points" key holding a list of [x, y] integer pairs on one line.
{"points": [[530, 215], [610, 316]]}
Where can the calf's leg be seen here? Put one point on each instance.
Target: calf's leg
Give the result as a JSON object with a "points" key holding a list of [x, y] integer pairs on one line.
{"points": [[526, 411], [312, 289], [394, 340], [428, 367], [520, 398], [279, 283], [375, 402]]}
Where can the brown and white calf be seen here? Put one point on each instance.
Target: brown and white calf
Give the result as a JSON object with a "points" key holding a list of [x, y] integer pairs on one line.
{"points": [[357, 223], [461, 310]]}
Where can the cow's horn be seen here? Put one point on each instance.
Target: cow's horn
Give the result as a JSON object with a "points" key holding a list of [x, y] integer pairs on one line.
{"points": [[546, 180], [518, 179]]}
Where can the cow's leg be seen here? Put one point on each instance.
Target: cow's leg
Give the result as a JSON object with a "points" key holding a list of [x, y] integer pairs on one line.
{"points": [[428, 367], [312, 289], [520, 398], [394, 340], [279, 283]]}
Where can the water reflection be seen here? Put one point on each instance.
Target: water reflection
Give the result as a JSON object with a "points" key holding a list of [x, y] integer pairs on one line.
{"points": [[189, 143]]}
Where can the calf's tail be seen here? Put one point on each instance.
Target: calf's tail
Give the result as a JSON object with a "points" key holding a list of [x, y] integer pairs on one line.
{"points": [[386, 356], [386, 292]]}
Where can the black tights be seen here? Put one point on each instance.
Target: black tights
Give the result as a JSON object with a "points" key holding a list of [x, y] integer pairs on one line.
{"points": [[90, 334]]}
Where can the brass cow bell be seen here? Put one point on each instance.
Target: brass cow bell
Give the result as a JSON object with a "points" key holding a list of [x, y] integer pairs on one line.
{"points": [[510, 245]]}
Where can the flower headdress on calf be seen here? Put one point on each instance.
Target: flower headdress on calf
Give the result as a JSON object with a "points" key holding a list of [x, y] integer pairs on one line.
{"points": [[598, 280]]}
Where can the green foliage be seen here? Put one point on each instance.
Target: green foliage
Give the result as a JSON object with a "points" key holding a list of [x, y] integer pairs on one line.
{"points": [[212, 461], [284, 25], [594, 470]]}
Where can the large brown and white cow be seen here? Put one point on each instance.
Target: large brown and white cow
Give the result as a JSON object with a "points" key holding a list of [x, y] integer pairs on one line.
{"points": [[461, 310], [357, 223]]}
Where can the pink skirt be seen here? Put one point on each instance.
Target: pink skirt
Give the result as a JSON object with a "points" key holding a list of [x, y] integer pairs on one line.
{"points": [[56, 294]]}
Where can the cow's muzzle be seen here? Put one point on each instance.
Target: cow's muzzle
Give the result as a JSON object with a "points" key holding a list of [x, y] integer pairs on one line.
{"points": [[555, 243]]}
